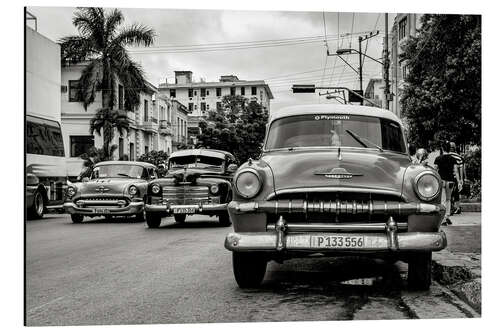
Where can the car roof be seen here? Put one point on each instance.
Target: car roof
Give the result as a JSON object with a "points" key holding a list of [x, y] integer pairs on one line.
{"points": [[142, 164], [355, 110], [204, 152]]}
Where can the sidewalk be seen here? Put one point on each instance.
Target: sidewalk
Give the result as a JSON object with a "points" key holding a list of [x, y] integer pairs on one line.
{"points": [[458, 267]]}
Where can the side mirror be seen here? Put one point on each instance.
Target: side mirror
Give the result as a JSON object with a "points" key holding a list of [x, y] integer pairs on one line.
{"points": [[232, 168], [85, 179]]}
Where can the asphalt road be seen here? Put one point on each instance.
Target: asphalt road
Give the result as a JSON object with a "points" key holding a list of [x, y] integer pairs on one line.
{"points": [[121, 272]]}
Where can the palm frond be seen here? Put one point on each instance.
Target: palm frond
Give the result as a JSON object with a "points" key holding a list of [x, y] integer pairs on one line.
{"points": [[136, 34], [132, 77], [90, 22], [113, 20], [90, 82], [76, 48]]}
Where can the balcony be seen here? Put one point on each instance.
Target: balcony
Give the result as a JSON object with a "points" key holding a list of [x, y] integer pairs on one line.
{"points": [[165, 128], [150, 126], [129, 114]]}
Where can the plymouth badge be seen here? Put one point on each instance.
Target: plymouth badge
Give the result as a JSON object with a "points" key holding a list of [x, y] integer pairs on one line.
{"points": [[102, 189], [337, 173]]}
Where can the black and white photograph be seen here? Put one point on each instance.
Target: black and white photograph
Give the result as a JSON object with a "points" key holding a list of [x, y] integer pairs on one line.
{"points": [[210, 165]]}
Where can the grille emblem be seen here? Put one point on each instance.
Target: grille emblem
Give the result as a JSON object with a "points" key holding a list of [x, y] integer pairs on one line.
{"points": [[337, 173], [102, 189]]}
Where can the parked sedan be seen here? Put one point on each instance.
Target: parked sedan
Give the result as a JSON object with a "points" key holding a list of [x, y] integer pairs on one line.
{"points": [[115, 188], [335, 180], [198, 182]]}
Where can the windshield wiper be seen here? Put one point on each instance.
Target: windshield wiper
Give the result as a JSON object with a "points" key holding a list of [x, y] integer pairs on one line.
{"points": [[360, 140]]}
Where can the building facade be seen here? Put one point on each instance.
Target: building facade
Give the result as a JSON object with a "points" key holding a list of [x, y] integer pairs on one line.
{"points": [[201, 97], [375, 91], [405, 25], [179, 125], [144, 133]]}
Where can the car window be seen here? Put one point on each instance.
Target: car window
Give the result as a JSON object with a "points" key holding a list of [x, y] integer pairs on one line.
{"points": [[196, 162], [335, 131], [118, 171]]}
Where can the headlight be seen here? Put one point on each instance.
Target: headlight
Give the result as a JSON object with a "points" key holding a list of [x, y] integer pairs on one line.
{"points": [[155, 188], [214, 189], [427, 185], [132, 190], [248, 183], [71, 191]]}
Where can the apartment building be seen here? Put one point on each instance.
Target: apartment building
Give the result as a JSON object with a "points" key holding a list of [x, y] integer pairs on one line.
{"points": [[180, 125], [405, 25], [144, 133], [201, 97]]}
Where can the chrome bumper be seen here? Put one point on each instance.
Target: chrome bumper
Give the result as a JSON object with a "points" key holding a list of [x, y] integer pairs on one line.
{"points": [[389, 240], [198, 208], [135, 207], [268, 241]]}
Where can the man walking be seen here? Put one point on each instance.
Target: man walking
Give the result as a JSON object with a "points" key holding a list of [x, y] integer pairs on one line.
{"points": [[455, 195], [447, 167]]}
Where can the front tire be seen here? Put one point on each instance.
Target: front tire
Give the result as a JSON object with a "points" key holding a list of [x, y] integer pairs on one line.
{"points": [[419, 271], [37, 209], [77, 218], [249, 269], [153, 220], [180, 218], [224, 220]]}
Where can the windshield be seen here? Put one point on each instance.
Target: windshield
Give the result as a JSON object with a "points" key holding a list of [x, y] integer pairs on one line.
{"points": [[197, 162], [119, 171], [335, 131]]}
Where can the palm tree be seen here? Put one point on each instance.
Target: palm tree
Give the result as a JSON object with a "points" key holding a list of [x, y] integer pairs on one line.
{"points": [[101, 45], [108, 120]]}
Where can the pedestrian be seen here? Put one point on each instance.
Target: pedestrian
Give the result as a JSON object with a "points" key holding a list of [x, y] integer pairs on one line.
{"points": [[447, 168], [459, 180], [421, 157]]}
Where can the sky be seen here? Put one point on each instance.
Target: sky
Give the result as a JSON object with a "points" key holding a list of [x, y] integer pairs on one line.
{"points": [[280, 66]]}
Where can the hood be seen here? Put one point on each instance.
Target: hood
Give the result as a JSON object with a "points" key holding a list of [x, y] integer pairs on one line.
{"points": [[109, 185], [320, 168]]}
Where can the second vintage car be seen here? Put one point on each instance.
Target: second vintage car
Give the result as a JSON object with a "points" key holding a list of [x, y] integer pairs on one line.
{"points": [[198, 182], [115, 188], [335, 180]]}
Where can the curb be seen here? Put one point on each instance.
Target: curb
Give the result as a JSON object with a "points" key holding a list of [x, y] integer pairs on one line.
{"points": [[461, 274], [470, 206]]}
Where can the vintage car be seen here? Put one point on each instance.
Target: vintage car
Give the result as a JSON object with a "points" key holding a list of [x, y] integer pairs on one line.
{"points": [[198, 182], [334, 180], [115, 188]]}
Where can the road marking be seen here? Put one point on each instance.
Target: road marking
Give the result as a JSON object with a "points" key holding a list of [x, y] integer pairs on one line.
{"points": [[45, 304]]}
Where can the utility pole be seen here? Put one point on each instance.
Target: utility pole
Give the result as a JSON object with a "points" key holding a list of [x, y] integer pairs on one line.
{"points": [[360, 39], [387, 89]]}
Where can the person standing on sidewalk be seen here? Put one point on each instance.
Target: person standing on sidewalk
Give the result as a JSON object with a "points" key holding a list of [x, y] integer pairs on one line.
{"points": [[455, 195], [447, 168]]}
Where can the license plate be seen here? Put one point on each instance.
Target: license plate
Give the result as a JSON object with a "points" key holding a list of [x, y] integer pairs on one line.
{"points": [[184, 210], [101, 211], [337, 242]]}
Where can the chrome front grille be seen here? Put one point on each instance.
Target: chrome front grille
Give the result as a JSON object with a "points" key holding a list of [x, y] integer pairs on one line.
{"points": [[185, 194], [102, 201]]}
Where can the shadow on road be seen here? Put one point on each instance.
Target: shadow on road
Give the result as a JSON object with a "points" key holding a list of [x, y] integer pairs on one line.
{"points": [[191, 225], [340, 275]]}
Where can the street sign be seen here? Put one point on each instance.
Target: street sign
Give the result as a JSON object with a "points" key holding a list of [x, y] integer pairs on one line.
{"points": [[303, 88]]}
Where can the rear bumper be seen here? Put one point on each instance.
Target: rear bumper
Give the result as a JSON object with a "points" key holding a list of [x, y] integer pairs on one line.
{"points": [[198, 208], [270, 242], [135, 207]]}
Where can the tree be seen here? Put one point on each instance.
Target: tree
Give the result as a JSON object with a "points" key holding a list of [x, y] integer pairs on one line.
{"points": [[238, 127], [101, 46], [158, 158], [442, 95], [107, 121]]}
